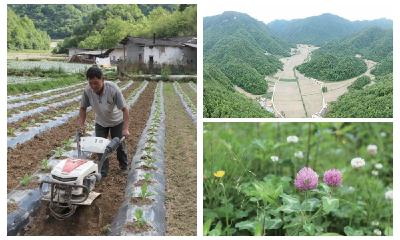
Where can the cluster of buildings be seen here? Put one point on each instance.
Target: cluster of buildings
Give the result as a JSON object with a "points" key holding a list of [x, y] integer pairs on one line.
{"points": [[177, 51]]}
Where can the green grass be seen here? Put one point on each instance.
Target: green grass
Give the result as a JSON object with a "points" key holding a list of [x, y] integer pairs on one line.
{"points": [[256, 196], [61, 81]]}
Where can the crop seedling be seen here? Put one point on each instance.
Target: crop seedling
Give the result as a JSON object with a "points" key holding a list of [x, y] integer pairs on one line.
{"points": [[148, 160], [144, 192], [147, 177], [106, 229], [67, 143], [26, 180], [139, 218], [58, 152], [24, 126], [11, 132], [45, 164]]}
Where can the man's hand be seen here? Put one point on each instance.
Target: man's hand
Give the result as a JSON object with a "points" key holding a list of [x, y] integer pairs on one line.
{"points": [[81, 129], [125, 132]]}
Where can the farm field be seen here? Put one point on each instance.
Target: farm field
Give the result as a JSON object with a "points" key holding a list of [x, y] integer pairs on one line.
{"points": [[41, 128], [296, 95], [291, 179], [46, 65]]}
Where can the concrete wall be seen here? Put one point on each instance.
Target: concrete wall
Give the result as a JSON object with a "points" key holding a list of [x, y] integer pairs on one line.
{"points": [[117, 54], [164, 55], [133, 53], [190, 56]]}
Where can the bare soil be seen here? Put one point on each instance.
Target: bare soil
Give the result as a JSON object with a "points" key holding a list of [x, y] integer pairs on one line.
{"points": [[27, 157], [134, 227], [92, 220], [139, 201], [180, 172], [11, 207]]}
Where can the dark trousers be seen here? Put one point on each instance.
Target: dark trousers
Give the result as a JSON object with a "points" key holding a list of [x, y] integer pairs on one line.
{"points": [[122, 156]]}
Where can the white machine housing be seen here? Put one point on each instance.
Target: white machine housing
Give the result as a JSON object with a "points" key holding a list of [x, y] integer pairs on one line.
{"points": [[74, 172], [94, 144], [77, 171]]}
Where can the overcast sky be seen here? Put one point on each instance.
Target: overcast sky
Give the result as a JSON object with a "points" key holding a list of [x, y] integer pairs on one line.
{"points": [[269, 10]]}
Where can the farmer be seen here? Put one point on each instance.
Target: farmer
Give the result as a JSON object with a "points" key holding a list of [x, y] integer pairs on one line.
{"points": [[111, 111]]}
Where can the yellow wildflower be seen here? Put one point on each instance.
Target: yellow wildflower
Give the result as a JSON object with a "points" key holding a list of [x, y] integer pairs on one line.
{"points": [[219, 174]]}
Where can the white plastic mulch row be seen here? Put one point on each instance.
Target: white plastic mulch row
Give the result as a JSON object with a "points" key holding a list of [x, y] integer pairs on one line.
{"points": [[20, 115], [41, 100], [193, 86], [39, 128], [25, 96], [190, 108], [147, 161], [46, 65]]}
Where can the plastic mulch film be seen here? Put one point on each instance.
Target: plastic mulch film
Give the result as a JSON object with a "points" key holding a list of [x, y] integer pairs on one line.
{"points": [[25, 96], [193, 86], [21, 137], [143, 210], [27, 202], [33, 131], [42, 100], [18, 116], [187, 104]]}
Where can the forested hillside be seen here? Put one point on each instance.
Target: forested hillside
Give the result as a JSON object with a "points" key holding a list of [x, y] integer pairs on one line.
{"points": [[216, 28], [22, 34], [103, 26], [371, 43], [375, 101], [58, 20], [337, 60], [318, 30], [328, 66], [221, 100], [242, 49]]}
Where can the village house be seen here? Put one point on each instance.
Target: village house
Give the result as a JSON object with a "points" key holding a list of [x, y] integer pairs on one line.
{"points": [[167, 51], [116, 54], [85, 55], [150, 53]]}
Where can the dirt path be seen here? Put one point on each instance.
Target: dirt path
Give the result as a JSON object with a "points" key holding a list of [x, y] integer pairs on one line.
{"points": [[94, 220], [180, 172]]}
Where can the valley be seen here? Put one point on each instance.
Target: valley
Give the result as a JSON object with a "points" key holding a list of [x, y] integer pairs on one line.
{"points": [[308, 76]]}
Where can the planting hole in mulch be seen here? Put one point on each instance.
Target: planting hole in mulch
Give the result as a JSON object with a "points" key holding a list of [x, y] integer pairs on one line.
{"points": [[136, 228], [147, 168], [143, 181], [11, 207], [139, 201]]}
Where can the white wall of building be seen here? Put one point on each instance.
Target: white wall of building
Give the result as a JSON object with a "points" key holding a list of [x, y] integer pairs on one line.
{"points": [[164, 55], [116, 54]]}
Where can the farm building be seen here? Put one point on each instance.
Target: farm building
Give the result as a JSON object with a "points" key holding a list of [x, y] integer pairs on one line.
{"points": [[116, 54], [166, 51], [85, 55], [73, 51]]}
